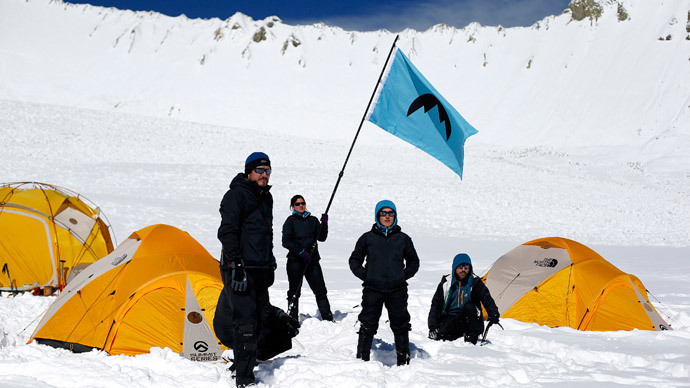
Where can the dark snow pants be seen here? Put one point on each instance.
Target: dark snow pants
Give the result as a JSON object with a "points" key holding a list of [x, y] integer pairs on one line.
{"points": [[247, 308], [372, 306], [468, 323], [314, 276]]}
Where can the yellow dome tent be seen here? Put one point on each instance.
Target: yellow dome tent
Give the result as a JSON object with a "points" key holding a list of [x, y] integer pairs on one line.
{"points": [[559, 282], [45, 232], [159, 288]]}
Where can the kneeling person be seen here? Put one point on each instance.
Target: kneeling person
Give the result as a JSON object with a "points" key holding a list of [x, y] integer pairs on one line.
{"points": [[455, 308]]}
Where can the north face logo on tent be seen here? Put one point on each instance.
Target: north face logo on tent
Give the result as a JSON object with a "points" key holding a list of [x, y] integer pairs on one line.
{"points": [[547, 262], [200, 346], [119, 260]]}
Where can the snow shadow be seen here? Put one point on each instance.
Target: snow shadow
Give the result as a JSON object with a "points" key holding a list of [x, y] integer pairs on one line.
{"points": [[384, 352], [337, 316], [266, 369]]}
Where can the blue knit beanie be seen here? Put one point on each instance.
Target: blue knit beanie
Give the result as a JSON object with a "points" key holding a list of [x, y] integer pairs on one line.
{"points": [[254, 160]]}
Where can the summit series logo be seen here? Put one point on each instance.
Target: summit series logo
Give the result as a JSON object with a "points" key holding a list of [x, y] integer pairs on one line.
{"points": [[201, 346], [546, 262], [203, 353]]}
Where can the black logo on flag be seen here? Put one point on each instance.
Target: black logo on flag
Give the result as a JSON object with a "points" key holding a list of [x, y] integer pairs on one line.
{"points": [[429, 101], [200, 346]]}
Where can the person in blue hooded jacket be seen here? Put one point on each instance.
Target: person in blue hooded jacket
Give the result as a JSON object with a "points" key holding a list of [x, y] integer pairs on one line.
{"points": [[390, 261], [456, 306]]}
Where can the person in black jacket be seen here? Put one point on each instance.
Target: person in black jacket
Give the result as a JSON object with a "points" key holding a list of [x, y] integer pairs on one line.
{"points": [[390, 261], [299, 238], [455, 308], [247, 262]]}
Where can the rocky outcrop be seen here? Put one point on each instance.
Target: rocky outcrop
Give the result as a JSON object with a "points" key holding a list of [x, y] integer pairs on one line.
{"points": [[622, 13], [259, 35], [581, 9]]}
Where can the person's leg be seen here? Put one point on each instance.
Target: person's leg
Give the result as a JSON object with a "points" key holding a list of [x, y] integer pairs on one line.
{"points": [[452, 327], [372, 304], [474, 323], [245, 328], [396, 304], [314, 276], [295, 271]]}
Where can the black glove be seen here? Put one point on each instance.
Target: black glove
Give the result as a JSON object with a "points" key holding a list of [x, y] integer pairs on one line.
{"points": [[433, 334], [493, 319], [324, 218], [239, 277]]}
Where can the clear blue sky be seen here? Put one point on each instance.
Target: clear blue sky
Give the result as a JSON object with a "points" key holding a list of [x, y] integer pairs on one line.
{"points": [[358, 14]]}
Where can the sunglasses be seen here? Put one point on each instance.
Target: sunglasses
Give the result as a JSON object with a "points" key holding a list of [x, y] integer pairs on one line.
{"points": [[300, 204], [384, 213], [260, 170], [464, 266]]}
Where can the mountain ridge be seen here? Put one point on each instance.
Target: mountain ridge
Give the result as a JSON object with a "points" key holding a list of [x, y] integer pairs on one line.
{"points": [[599, 81]]}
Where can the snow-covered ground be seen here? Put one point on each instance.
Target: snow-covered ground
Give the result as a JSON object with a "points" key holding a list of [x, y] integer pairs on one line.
{"points": [[143, 171]]}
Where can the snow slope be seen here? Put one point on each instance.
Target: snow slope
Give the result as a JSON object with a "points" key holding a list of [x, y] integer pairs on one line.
{"points": [[560, 82]]}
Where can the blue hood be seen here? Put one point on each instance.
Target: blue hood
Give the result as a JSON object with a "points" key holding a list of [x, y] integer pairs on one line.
{"points": [[459, 259], [381, 205], [458, 294]]}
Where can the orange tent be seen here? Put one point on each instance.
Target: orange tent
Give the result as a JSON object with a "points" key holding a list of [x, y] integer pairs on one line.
{"points": [[159, 288], [554, 281], [46, 232]]}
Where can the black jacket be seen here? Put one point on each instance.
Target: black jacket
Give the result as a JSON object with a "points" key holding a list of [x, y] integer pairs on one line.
{"points": [[300, 233], [478, 294], [246, 226], [390, 260]]}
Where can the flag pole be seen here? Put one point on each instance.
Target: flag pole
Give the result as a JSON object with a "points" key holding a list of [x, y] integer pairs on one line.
{"points": [[340, 176], [293, 298]]}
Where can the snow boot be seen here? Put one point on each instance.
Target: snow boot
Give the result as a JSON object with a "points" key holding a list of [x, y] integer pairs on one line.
{"points": [[402, 347], [364, 344], [293, 310], [324, 309]]}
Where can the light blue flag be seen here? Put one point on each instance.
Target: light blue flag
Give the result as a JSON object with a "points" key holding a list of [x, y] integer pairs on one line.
{"points": [[410, 108]]}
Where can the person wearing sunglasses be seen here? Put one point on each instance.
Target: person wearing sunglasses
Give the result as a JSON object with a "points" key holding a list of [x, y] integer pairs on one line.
{"points": [[390, 261], [247, 263], [456, 306], [300, 239]]}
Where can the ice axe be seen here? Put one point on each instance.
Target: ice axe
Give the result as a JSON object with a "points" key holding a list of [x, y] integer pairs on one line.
{"points": [[487, 331], [6, 270]]}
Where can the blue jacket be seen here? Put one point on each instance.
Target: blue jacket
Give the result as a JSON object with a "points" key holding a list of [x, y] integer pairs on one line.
{"points": [[458, 292]]}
